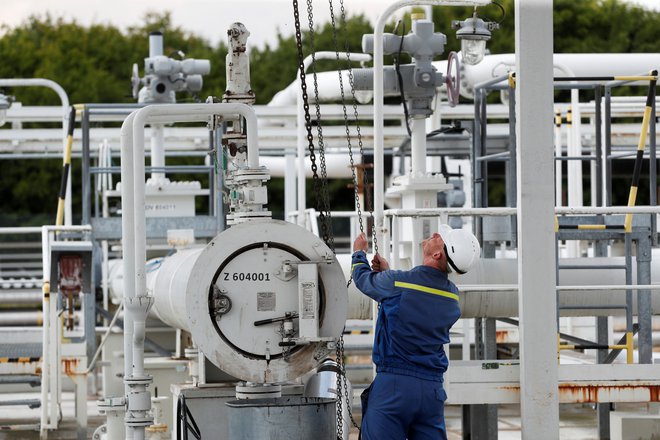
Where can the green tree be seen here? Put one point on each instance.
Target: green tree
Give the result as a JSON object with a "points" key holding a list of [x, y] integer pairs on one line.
{"points": [[93, 64]]}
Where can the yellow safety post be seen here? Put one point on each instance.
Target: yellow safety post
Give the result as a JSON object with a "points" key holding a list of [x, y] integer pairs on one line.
{"points": [[629, 347], [66, 167], [632, 196]]}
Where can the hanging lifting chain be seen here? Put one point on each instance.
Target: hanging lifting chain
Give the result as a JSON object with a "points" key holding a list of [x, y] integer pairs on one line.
{"points": [[342, 383]]}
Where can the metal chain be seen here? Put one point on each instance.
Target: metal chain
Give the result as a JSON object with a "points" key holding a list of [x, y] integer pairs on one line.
{"points": [[339, 352], [315, 178], [365, 182], [322, 195], [342, 382], [367, 195], [308, 123]]}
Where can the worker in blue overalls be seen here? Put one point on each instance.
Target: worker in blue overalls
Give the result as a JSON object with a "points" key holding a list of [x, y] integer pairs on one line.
{"points": [[417, 309]]}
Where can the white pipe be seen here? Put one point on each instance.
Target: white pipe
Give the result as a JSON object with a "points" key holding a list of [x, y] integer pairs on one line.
{"points": [[157, 150], [45, 375], [64, 100], [418, 146], [155, 44], [475, 212], [289, 184], [128, 234], [610, 288], [379, 142], [300, 120], [396, 249], [558, 163], [133, 220], [21, 230]]}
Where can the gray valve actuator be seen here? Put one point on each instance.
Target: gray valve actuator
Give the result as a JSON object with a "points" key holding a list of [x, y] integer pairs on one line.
{"points": [[419, 79]]}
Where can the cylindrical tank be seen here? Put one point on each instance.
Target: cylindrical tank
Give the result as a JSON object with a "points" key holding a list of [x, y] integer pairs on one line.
{"points": [[284, 418]]}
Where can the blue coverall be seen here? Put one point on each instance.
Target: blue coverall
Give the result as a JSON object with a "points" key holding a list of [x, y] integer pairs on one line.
{"points": [[417, 309]]}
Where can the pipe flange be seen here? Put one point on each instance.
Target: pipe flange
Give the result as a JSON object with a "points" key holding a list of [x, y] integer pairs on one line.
{"points": [[145, 379], [111, 404], [137, 422]]}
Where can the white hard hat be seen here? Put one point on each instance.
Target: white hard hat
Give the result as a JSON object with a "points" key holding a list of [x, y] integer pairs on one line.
{"points": [[462, 248]]}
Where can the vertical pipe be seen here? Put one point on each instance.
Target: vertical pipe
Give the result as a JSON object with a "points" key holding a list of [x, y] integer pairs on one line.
{"points": [[128, 234], [576, 133], [608, 146], [466, 340], [396, 251], [220, 183], [155, 44], [157, 150], [653, 169], [86, 176], [418, 146], [46, 359], [539, 406], [289, 184], [513, 160], [212, 161], [300, 118], [558, 162], [644, 312], [598, 92], [484, 147]]}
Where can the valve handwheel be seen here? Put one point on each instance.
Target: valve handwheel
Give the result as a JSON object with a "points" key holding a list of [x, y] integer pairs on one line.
{"points": [[453, 79]]}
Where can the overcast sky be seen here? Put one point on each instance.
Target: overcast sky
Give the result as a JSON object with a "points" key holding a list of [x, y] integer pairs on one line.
{"points": [[208, 18]]}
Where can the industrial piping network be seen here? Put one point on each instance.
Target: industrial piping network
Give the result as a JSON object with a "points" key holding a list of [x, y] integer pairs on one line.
{"points": [[137, 303]]}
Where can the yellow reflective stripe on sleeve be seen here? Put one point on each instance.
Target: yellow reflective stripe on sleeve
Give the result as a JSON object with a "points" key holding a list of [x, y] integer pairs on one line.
{"points": [[356, 264], [426, 289]]}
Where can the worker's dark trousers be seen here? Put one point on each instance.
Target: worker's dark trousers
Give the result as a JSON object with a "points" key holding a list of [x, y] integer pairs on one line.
{"points": [[403, 407]]}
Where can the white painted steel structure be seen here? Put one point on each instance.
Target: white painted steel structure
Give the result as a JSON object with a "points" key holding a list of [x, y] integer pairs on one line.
{"points": [[539, 408]]}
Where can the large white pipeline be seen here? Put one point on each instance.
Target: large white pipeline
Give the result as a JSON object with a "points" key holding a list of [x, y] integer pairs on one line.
{"points": [[489, 288], [492, 66]]}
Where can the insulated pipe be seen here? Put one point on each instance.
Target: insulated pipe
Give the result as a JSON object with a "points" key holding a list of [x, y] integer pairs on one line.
{"points": [[157, 149], [18, 319], [558, 164], [45, 374], [490, 289], [128, 233], [418, 146], [14, 298], [64, 100], [379, 142], [155, 44]]}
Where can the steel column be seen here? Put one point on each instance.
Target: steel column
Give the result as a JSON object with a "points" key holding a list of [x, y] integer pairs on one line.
{"points": [[608, 146], [539, 407], [644, 316]]}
